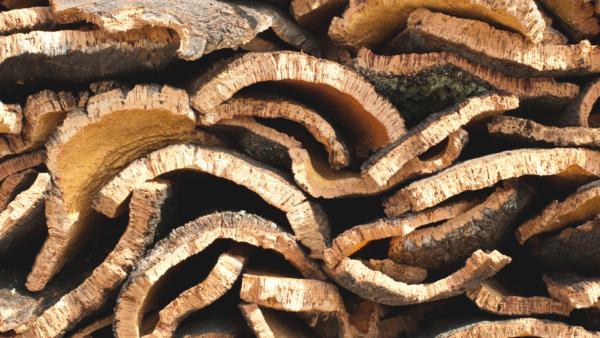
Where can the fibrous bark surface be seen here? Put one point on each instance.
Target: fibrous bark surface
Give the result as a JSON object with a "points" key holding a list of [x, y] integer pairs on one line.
{"points": [[575, 290], [520, 327], [581, 111], [578, 16]]}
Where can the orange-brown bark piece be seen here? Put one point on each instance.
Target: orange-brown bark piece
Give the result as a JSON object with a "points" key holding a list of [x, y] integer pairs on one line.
{"points": [[580, 206], [15, 184], [376, 286], [401, 273], [520, 327], [10, 118], [202, 27], [490, 296], [115, 128], [508, 52], [29, 19], [97, 325], [371, 121], [388, 161], [316, 14], [21, 162], [369, 23], [575, 290], [581, 111], [191, 239], [306, 218], [578, 17], [570, 163]]}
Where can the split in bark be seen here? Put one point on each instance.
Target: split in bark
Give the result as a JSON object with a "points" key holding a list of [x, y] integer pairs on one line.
{"points": [[352, 102], [577, 16], [520, 327], [580, 112], [369, 23], [529, 132], [203, 27], [570, 163], [374, 285], [580, 206], [193, 238], [114, 129], [575, 290], [483, 227], [387, 162], [491, 297], [306, 218], [484, 44]]}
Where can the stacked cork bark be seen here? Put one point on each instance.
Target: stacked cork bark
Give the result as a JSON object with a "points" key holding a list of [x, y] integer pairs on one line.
{"points": [[303, 168]]}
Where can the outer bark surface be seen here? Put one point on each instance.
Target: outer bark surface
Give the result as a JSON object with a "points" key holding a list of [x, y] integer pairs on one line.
{"points": [[575, 290], [521, 327]]}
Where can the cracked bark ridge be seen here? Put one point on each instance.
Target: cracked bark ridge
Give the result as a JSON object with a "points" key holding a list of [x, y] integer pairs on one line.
{"points": [[306, 218], [574, 164], [573, 249], [577, 16], [529, 132], [191, 239], [577, 291], [369, 23], [372, 122], [385, 164], [580, 112], [202, 27], [580, 206], [484, 44], [519, 327], [491, 297], [279, 107], [146, 118], [95, 291], [77, 56], [483, 227], [374, 285]]}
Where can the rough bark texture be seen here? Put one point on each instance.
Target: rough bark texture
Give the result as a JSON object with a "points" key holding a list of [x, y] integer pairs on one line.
{"points": [[578, 16], [575, 290], [580, 112], [520, 327]]}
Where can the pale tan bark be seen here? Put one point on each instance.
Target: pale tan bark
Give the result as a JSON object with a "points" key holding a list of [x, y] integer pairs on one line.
{"points": [[10, 118], [268, 323], [29, 19], [579, 113], [575, 290], [520, 327]]}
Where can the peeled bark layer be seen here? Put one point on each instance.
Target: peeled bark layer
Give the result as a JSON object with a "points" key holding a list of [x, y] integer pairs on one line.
{"points": [[484, 44], [368, 23], [10, 118], [15, 184], [581, 111], [578, 17], [29, 19], [482, 172], [215, 25], [520, 327], [575, 290], [580, 206]]}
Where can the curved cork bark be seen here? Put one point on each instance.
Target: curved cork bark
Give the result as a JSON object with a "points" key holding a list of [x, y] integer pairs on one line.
{"points": [[191, 239], [491, 297], [369, 23], [114, 129], [520, 327], [15, 184], [226, 271], [77, 56], [267, 323], [577, 207], [415, 78], [483, 227], [316, 14], [275, 107], [29, 19], [382, 166], [484, 44], [43, 113], [93, 293], [529, 132], [306, 218], [579, 113], [24, 214], [320, 300], [577, 16], [355, 238], [21, 162], [10, 118], [573, 249], [570, 163], [95, 326], [202, 27], [401, 273], [577, 291], [352, 102], [374, 285]]}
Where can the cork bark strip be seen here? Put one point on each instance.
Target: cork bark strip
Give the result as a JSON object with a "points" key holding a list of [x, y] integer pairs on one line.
{"points": [[577, 291], [202, 27], [308, 221], [578, 17], [384, 165], [520, 327], [30, 19], [579, 112], [352, 100], [114, 129], [484, 44], [191, 239], [570, 163], [11, 117], [368, 23]]}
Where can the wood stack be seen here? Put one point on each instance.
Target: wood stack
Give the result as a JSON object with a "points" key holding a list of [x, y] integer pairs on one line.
{"points": [[303, 168]]}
